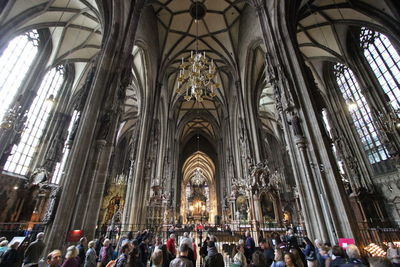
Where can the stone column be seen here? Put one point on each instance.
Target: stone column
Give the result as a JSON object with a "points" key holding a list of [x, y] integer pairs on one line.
{"points": [[95, 196], [318, 226], [117, 45]]}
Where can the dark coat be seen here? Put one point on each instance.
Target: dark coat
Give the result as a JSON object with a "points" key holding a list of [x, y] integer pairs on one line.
{"points": [[214, 261], [10, 258], [34, 251], [337, 262], [181, 262]]}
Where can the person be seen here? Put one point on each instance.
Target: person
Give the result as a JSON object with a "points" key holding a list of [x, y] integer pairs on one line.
{"points": [[106, 252], [258, 260], [297, 259], [203, 249], [182, 260], [278, 259], [34, 251], [325, 259], [158, 243], [239, 257], [99, 244], [54, 259], [171, 245], [186, 239], [337, 257], [318, 244], [82, 250], [393, 254], [380, 262], [354, 258], [194, 249], [10, 257], [250, 246], [91, 255], [291, 239], [157, 258], [71, 257], [144, 250], [122, 260], [267, 251], [167, 257], [214, 258], [3, 247], [134, 258], [309, 253], [290, 260]]}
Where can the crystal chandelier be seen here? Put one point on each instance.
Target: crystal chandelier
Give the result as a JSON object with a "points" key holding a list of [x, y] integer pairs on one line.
{"points": [[197, 77]]}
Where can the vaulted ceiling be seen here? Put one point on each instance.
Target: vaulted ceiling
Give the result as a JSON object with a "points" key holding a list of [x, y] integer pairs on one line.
{"points": [[74, 26], [215, 31], [322, 28]]}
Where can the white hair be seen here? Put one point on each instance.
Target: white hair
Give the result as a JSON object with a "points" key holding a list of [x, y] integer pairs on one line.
{"points": [[353, 252], [318, 242], [185, 234], [40, 236], [106, 242]]}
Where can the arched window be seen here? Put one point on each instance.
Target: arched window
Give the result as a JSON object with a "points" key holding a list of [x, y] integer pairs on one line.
{"points": [[37, 117], [384, 61], [361, 114], [15, 62]]}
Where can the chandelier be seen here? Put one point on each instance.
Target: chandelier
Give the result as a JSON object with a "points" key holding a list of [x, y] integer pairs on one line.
{"points": [[198, 77]]}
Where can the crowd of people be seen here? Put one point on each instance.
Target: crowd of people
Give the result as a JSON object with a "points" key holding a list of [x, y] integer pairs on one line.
{"points": [[148, 250]]}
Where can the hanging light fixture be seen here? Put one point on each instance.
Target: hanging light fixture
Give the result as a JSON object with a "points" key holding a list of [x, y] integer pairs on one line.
{"points": [[198, 77]]}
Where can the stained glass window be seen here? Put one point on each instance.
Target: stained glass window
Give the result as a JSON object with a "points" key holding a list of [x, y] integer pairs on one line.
{"points": [[361, 114]]}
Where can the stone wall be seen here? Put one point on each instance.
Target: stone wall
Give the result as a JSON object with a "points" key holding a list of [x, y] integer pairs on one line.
{"points": [[11, 195], [388, 186]]}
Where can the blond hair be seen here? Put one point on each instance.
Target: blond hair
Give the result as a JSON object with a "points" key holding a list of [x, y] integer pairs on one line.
{"points": [[157, 257], [72, 252]]}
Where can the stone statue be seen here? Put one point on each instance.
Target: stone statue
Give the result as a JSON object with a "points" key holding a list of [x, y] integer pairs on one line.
{"points": [[296, 124], [105, 126]]}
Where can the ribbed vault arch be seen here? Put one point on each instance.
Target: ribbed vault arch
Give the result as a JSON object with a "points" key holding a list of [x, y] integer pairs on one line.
{"points": [[199, 161]]}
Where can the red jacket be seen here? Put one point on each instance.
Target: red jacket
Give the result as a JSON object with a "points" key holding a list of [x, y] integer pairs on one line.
{"points": [[171, 246]]}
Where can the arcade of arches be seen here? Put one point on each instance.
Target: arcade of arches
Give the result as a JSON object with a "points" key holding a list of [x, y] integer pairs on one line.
{"points": [[304, 129]]}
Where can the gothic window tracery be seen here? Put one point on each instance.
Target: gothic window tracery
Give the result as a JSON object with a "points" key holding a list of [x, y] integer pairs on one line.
{"points": [[361, 114], [39, 112], [384, 61], [15, 61]]}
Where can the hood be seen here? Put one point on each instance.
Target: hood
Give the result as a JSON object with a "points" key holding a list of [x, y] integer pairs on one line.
{"points": [[212, 251]]}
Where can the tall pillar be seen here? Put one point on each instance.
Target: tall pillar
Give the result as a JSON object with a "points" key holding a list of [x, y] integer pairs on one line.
{"points": [[94, 202], [118, 44]]}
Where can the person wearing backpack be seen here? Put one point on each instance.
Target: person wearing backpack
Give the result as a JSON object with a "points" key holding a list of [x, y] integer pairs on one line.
{"points": [[309, 253], [393, 254], [214, 258]]}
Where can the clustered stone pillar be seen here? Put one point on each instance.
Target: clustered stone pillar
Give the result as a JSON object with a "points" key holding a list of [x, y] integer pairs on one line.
{"points": [[116, 46]]}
